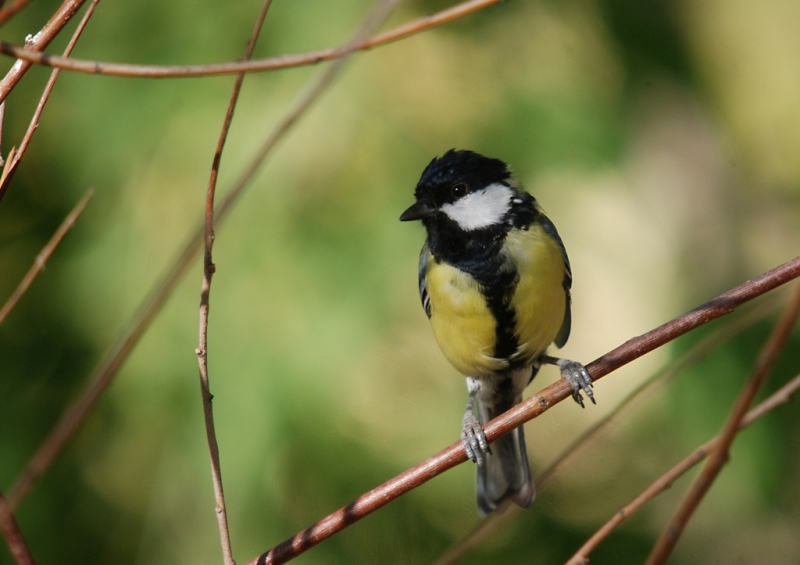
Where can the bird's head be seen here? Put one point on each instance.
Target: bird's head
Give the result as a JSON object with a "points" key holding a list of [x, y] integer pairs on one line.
{"points": [[465, 188]]}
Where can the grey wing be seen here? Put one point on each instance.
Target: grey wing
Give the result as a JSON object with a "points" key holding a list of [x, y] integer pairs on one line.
{"points": [[566, 325], [423, 285]]}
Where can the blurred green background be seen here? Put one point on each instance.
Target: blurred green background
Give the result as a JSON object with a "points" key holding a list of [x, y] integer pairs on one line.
{"points": [[662, 138]]}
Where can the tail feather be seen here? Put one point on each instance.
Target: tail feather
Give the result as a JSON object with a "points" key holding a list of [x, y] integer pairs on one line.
{"points": [[506, 473]]}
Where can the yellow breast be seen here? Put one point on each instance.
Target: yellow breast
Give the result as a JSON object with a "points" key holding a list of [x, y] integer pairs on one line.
{"points": [[462, 323], [465, 328], [540, 300]]}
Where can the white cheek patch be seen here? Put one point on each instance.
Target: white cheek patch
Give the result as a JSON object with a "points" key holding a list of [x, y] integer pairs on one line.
{"points": [[480, 209]]}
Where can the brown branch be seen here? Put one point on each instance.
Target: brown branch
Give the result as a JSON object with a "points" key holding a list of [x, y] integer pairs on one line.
{"points": [[379, 12], [270, 64], [658, 379], [527, 410], [44, 255], [9, 11], [2, 123], [38, 42], [664, 482], [719, 457], [13, 160], [109, 365], [692, 356], [208, 272], [16, 541]]}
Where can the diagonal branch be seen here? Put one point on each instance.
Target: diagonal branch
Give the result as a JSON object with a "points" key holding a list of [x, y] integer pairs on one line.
{"points": [[16, 541], [38, 42], [766, 359], [13, 160], [527, 410], [660, 378], [270, 64], [665, 481], [44, 255], [9, 11]]}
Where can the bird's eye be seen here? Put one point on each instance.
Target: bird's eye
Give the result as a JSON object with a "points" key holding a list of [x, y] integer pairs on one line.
{"points": [[459, 190]]}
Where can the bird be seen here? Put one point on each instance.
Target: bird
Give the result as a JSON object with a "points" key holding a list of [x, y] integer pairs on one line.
{"points": [[494, 281]]}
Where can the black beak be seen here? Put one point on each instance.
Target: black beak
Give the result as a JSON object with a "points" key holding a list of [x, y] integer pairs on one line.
{"points": [[417, 211]]}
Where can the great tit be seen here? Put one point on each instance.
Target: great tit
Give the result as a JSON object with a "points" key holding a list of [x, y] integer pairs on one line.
{"points": [[494, 280]]}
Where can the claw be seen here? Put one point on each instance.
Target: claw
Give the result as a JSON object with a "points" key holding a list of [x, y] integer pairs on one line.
{"points": [[578, 378], [472, 436], [473, 439]]}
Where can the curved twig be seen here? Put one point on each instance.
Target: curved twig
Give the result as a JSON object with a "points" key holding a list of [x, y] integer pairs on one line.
{"points": [[270, 64], [208, 272]]}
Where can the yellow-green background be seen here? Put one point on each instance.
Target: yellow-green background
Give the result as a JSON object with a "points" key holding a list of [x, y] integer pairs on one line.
{"points": [[662, 138]]}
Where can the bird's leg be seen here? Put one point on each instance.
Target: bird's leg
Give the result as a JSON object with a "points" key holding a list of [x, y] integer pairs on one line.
{"points": [[472, 432], [575, 374]]}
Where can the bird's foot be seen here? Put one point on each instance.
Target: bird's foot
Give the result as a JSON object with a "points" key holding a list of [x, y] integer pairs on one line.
{"points": [[473, 438], [578, 378]]}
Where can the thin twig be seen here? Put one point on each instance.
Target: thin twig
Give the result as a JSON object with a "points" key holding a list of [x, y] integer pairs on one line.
{"points": [[109, 365], [269, 64], [665, 481], [373, 19], [2, 123], [38, 42], [8, 173], [16, 541], [719, 457], [660, 378], [44, 255], [8, 161], [527, 410], [208, 272], [9, 11]]}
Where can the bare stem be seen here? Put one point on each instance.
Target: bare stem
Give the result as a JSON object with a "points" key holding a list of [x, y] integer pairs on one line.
{"points": [[16, 541], [766, 359], [9, 11], [2, 123], [665, 481], [44, 255], [270, 64], [525, 411], [376, 15], [38, 42], [208, 272], [11, 167]]}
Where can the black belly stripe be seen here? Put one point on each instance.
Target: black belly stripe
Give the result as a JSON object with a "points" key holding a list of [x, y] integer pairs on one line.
{"points": [[480, 256], [498, 288]]}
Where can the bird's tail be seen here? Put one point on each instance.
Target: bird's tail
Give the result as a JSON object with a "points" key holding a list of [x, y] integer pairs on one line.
{"points": [[505, 473]]}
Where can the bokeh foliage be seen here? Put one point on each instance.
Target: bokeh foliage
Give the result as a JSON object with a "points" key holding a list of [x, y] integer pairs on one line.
{"points": [[661, 137]]}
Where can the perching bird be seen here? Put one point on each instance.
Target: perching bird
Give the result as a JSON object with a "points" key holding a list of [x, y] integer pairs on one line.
{"points": [[494, 279]]}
